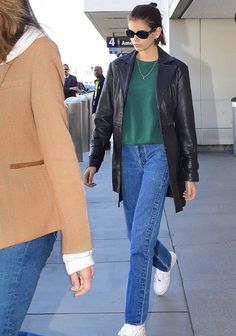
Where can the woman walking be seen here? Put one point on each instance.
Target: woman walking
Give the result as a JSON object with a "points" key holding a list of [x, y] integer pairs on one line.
{"points": [[146, 103], [41, 191]]}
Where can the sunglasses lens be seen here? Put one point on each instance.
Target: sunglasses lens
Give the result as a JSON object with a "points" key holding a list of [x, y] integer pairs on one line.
{"points": [[142, 34], [129, 33]]}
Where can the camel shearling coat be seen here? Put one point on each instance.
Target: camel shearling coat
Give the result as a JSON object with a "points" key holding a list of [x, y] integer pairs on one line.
{"points": [[40, 183]]}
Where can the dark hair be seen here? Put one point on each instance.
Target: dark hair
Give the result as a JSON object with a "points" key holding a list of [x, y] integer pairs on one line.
{"points": [[151, 15], [15, 17]]}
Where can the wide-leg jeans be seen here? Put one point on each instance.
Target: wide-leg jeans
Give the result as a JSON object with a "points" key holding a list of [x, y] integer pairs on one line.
{"points": [[20, 268], [145, 179]]}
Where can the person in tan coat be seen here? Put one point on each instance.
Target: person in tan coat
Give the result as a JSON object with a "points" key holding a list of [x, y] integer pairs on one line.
{"points": [[40, 183]]}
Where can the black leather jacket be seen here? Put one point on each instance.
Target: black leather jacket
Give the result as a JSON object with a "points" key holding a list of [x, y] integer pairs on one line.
{"points": [[174, 100]]}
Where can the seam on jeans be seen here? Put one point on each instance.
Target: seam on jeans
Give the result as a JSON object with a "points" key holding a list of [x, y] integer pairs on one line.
{"points": [[139, 313], [168, 267], [138, 156], [143, 285], [18, 275], [143, 155], [144, 291], [166, 178], [158, 215]]}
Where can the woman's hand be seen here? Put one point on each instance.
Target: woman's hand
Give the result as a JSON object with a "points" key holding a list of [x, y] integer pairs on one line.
{"points": [[191, 191], [88, 176], [81, 281]]}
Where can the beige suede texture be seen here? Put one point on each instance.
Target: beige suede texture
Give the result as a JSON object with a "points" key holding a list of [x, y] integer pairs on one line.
{"points": [[41, 190]]}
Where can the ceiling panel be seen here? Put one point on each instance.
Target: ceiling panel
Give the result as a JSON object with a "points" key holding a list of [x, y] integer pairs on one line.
{"points": [[211, 9], [109, 22]]}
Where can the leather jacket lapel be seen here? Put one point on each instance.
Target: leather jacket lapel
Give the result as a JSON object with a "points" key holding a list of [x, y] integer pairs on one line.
{"points": [[165, 75], [166, 70], [125, 67]]}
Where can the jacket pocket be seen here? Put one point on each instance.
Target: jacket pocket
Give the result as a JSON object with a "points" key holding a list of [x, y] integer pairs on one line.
{"points": [[26, 164]]}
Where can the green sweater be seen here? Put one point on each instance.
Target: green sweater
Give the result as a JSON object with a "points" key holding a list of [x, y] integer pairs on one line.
{"points": [[141, 122]]}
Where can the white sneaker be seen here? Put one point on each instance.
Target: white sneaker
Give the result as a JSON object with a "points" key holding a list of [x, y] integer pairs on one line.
{"points": [[132, 330], [162, 279]]}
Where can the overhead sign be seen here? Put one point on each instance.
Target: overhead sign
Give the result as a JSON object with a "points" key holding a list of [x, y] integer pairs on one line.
{"points": [[112, 42], [119, 42], [115, 51], [124, 42]]}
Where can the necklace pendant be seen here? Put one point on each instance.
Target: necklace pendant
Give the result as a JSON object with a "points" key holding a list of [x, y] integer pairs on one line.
{"points": [[149, 72]]}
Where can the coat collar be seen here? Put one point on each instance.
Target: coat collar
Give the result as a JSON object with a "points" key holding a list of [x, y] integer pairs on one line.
{"points": [[166, 70], [30, 35], [129, 58]]}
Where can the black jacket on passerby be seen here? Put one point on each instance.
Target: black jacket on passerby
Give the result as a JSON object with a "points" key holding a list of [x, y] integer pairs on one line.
{"points": [[97, 92], [70, 81], [174, 101]]}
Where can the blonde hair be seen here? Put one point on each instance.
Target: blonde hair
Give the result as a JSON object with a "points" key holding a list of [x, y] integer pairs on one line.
{"points": [[15, 15]]}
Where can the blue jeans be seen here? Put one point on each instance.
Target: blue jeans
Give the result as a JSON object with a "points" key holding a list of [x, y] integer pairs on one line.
{"points": [[20, 268], [23, 333], [145, 179]]}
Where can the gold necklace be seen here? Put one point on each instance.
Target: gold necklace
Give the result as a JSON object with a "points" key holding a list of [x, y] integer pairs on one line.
{"points": [[149, 72]]}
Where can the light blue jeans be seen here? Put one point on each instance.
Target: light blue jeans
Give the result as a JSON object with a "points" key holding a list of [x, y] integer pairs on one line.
{"points": [[145, 179], [20, 268]]}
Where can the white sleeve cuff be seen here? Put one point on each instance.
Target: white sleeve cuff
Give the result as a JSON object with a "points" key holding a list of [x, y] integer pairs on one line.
{"points": [[75, 262]]}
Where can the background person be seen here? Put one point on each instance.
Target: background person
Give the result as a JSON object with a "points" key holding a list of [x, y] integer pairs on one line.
{"points": [[146, 103], [99, 81], [40, 184], [70, 83]]}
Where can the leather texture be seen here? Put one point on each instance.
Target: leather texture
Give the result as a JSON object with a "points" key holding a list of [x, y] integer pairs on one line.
{"points": [[174, 100]]}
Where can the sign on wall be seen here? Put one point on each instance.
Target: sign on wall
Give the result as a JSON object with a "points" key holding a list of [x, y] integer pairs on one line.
{"points": [[118, 42], [112, 42]]}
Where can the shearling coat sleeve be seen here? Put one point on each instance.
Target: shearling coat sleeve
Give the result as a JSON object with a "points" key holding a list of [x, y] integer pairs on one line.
{"points": [[57, 148]]}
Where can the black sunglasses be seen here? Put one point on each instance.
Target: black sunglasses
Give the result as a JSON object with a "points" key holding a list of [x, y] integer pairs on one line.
{"points": [[142, 34]]}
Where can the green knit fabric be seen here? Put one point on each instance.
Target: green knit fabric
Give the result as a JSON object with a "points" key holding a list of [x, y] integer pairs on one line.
{"points": [[141, 122]]}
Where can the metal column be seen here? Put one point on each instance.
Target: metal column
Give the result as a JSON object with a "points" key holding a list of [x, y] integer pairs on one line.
{"points": [[233, 100]]}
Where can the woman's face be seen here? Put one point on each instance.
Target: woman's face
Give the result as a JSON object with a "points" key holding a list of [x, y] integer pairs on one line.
{"points": [[139, 43]]}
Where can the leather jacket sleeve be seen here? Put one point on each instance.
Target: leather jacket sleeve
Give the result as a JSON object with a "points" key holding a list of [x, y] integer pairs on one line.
{"points": [[185, 127], [103, 122]]}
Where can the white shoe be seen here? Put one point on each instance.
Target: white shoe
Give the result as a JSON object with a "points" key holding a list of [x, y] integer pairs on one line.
{"points": [[132, 330], [162, 279]]}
